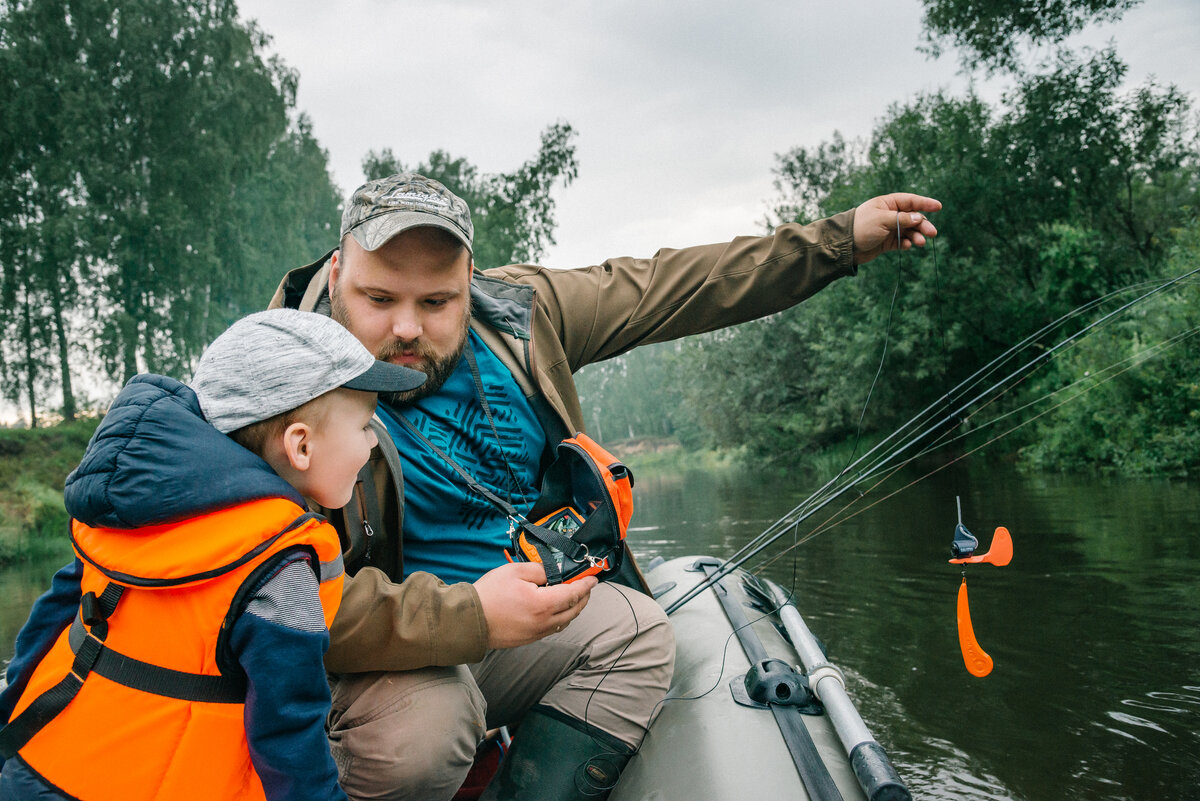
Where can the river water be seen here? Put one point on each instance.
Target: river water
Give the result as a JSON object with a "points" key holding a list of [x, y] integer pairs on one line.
{"points": [[1094, 627]]}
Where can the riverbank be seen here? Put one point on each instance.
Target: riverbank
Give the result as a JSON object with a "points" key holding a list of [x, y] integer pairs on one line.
{"points": [[34, 463]]}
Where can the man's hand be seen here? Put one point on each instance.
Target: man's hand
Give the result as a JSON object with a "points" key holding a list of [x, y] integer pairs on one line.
{"points": [[520, 609], [875, 223]]}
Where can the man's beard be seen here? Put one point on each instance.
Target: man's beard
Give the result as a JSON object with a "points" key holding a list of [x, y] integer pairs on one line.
{"points": [[436, 368]]}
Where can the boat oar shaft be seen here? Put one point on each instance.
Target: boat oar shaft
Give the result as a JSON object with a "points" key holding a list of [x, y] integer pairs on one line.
{"points": [[875, 773]]}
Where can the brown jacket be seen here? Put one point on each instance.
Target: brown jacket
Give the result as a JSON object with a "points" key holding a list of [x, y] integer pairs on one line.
{"points": [[544, 325]]}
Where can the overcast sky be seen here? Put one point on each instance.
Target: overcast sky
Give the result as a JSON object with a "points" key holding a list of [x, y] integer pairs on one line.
{"points": [[680, 107]]}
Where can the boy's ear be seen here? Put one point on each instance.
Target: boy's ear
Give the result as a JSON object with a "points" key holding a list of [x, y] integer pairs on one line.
{"points": [[297, 445]]}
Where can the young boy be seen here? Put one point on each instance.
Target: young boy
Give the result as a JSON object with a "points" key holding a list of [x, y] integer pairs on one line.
{"points": [[180, 655]]}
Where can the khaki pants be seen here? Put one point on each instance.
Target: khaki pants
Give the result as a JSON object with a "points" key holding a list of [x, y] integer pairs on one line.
{"points": [[413, 734]]}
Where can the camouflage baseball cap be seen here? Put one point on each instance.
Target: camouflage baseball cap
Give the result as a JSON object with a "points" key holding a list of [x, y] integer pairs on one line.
{"points": [[378, 210]]}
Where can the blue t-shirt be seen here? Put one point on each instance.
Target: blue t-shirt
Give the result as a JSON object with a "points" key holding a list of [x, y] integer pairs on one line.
{"points": [[449, 530]]}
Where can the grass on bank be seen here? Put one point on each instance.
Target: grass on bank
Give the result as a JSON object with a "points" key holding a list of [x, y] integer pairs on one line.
{"points": [[34, 463]]}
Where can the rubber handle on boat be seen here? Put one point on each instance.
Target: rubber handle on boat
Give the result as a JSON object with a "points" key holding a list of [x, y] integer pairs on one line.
{"points": [[875, 773], [974, 657]]}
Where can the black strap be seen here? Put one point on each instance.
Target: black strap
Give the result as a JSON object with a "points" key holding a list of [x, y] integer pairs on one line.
{"points": [[502, 505], [469, 353], [158, 680], [51, 703], [88, 632], [549, 562], [573, 550]]}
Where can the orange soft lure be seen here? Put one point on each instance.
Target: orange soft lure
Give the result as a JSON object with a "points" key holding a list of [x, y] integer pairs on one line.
{"points": [[963, 548], [974, 657]]}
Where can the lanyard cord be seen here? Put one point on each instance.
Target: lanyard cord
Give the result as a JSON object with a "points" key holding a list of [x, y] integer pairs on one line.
{"points": [[469, 353], [505, 507]]}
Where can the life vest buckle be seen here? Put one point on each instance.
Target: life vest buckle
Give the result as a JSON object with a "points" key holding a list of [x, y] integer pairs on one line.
{"points": [[90, 610]]}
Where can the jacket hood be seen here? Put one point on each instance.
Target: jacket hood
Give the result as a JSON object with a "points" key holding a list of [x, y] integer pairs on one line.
{"points": [[155, 459]]}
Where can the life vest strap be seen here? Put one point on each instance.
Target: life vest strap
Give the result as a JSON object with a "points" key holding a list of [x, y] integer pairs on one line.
{"points": [[150, 678], [51, 703], [88, 632], [45, 708]]}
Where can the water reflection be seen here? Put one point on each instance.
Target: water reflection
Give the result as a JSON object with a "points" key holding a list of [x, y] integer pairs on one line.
{"points": [[1094, 627]]}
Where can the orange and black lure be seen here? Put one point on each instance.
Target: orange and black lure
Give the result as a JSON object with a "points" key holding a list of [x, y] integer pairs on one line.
{"points": [[977, 660]]}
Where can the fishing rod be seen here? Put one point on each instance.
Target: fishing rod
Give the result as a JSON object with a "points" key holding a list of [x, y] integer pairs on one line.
{"points": [[815, 502], [833, 520], [832, 490], [951, 396]]}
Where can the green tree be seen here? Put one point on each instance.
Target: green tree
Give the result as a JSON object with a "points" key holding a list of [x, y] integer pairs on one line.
{"points": [[1067, 190], [185, 109], [1136, 406], [156, 180], [625, 397], [42, 231], [990, 34], [283, 215], [513, 212]]}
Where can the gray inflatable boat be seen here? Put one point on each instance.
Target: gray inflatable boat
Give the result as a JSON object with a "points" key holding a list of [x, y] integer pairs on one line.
{"points": [[758, 711]]}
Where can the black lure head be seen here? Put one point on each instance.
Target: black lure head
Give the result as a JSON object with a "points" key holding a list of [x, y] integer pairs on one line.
{"points": [[964, 543]]}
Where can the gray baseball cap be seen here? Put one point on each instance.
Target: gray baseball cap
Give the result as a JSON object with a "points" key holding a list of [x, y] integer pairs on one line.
{"points": [[275, 361], [378, 210]]}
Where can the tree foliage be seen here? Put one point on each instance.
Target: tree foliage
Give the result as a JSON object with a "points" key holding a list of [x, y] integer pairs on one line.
{"points": [[513, 212], [990, 34], [153, 175], [1137, 408], [1068, 189]]}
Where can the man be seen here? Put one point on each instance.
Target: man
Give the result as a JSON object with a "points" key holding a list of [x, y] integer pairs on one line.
{"points": [[420, 668]]}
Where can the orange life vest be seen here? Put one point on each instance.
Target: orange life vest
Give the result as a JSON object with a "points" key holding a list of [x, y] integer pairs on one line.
{"points": [[167, 596]]}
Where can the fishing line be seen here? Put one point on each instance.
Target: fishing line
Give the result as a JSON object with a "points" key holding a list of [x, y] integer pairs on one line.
{"points": [[721, 671], [832, 522], [878, 371], [831, 490], [937, 295], [887, 335], [587, 706]]}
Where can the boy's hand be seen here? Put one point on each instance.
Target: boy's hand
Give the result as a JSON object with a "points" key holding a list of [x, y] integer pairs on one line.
{"points": [[520, 609]]}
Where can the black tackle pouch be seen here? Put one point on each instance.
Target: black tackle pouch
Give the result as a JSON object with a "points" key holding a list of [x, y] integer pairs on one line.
{"points": [[580, 519]]}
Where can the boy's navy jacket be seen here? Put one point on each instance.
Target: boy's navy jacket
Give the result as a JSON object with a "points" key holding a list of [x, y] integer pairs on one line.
{"points": [[153, 460]]}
